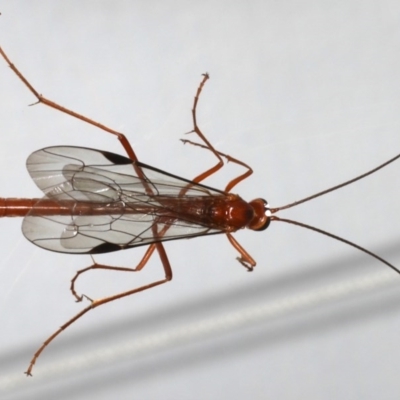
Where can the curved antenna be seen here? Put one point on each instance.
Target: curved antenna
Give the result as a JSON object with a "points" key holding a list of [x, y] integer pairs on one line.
{"points": [[331, 235], [296, 203]]}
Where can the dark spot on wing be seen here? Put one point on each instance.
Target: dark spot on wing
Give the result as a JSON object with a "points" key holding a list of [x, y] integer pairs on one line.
{"points": [[116, 158], [105, 248]]}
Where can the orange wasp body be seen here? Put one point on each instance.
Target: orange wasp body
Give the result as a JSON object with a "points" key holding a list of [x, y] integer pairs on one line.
{"points": [[99, 202]]}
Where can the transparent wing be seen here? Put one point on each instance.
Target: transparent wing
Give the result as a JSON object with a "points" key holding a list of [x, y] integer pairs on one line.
{"points": [[140, 207]]}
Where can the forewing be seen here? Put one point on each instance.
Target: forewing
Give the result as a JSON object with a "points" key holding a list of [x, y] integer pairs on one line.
{"points": [[105, 179]]}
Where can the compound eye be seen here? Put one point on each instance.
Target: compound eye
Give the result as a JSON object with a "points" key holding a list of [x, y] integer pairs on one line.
{"points": [[262, 215]]}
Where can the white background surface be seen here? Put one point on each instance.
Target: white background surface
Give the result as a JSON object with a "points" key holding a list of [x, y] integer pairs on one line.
{"points": [[305, 92]]}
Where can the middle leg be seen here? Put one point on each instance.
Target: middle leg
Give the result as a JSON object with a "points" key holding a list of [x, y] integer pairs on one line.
{"points": [[99, 302], [207, 145]]}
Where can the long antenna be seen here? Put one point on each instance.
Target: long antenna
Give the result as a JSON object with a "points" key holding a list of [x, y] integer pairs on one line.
{"points": [[340, 239], [296, 203], [331, 235]]}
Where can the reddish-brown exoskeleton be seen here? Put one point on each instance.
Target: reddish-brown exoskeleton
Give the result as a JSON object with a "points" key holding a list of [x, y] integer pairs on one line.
{"points": [[99, 202]]}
